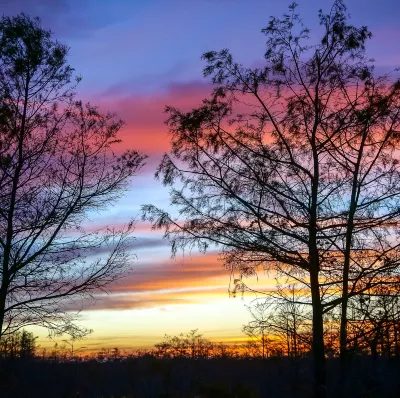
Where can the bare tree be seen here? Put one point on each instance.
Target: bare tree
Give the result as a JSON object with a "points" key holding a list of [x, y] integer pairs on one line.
{"points": [[281, 320], [190, 345], [57, 167], [71, 342], [374, 319], [21, 344], [258, 328], [293, 166]]}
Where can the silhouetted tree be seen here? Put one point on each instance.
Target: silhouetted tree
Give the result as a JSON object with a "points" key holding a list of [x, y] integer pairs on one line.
{"points": [[292, 166], [191, 345], [56, 166], [374, 322], [115, 353], [20, 344], [27, 345], [291, 322], [103, 354], [58, 352], [285, 323], [258, 327], [194, 341], [83, 333]]}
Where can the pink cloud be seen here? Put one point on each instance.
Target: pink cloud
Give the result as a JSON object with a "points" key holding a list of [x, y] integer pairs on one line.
{"points": [[173, 282], [197, 271], [144, 116]]}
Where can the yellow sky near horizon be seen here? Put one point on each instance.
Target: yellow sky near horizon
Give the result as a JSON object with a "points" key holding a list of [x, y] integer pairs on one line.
{"points": [[141, 319]]}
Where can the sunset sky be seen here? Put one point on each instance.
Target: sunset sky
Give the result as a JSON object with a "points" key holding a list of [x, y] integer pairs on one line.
{"points": [[135, 57]]}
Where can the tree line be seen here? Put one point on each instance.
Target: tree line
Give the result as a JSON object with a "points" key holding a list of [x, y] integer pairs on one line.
{"points": [[21, 344], [374, 326], [283, 331]]}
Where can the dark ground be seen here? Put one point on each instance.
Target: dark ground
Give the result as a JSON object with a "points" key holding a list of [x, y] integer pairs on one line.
{"points": [[148, 377]]}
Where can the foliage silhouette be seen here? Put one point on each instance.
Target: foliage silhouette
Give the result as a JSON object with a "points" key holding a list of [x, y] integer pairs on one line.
{"points": [[293, 166], [215, 370], [21, 344], [280, 326], [57, 165]]}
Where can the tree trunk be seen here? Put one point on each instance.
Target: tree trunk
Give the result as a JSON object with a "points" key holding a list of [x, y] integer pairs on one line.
{"points": [[343, 323], [318, 338], [263, 344], [343, 351], [2, 310], [374, 350], [355, 191], [10, 211], [396, 341], [294, 333], [388, 342]]}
